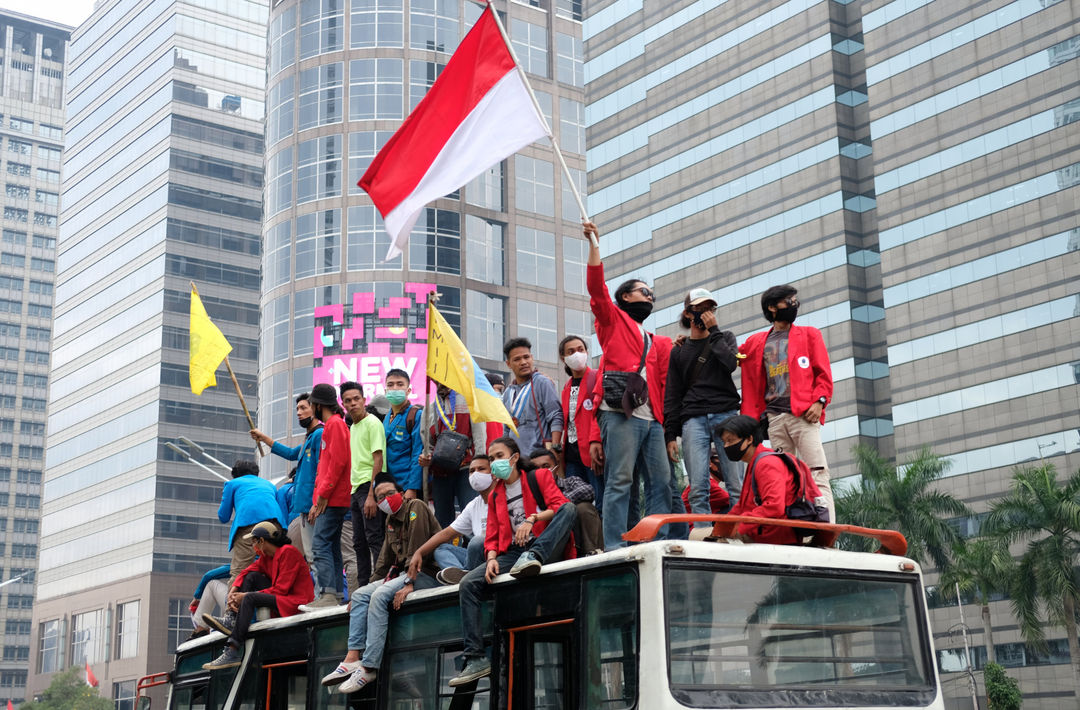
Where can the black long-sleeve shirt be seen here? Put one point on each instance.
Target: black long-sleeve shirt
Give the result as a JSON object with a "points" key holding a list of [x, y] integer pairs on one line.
{"points": [[713, 391]]}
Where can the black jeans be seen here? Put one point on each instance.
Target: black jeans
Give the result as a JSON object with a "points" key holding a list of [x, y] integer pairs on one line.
{"points": [[367, 534], [253, 598]]}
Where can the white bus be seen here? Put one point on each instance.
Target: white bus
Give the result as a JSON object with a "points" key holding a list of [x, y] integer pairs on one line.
{"points": [[661, 624]]}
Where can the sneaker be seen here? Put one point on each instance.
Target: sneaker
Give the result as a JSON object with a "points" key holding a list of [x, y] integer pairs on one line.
{"points": [[340, 674], [357, 681], [326, 600], [528, 565], [229, 658], [223, 624], [474, 670], [450, 575], [198, 633]]}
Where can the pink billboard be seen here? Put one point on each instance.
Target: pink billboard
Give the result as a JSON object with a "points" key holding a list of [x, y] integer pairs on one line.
{"points": [[364, 341]]}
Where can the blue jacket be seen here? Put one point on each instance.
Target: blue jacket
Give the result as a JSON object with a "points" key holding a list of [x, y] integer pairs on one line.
{"points": [[403, 448], [253, 499], [221, 572], [284, 495], [307, 454]]}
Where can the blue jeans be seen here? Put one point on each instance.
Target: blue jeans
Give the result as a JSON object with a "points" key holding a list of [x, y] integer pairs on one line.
{"points": [[370, 615], [573, 468], [632, 446], [697, 434], [447, 555], [548, 546], [444, 489], [326, 548]]}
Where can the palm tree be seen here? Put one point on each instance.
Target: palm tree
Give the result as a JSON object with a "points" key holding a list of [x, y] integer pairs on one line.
{"points": [[1046, 514], [902, 499], [982, 567]]}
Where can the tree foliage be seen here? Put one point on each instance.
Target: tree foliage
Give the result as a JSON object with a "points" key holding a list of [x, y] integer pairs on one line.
{"points": [[980, 568], [904, 499], [1002, 691], [69, 691]]}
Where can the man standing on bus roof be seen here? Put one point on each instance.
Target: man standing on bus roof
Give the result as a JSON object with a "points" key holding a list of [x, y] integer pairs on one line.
{"points": [[367, 444], [531, 399], [786, 375], [403, 425], [248, 500], [409, 524]]}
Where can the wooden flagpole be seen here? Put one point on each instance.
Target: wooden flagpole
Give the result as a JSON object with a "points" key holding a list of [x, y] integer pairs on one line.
{"points": [[543, 120]]}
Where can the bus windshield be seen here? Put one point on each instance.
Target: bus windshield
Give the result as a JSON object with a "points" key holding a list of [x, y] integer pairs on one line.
{"points": [[772, 637]]}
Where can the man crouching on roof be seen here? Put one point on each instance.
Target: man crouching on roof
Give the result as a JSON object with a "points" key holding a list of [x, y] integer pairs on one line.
{"points": [[521, 531], [409, 524]]}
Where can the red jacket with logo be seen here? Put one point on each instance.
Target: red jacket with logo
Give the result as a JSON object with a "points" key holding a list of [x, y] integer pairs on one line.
{"points": [[588, 430], [290, 579], [776, 491], [809, 373], [500, 531], [333, 478], [621, 340]]}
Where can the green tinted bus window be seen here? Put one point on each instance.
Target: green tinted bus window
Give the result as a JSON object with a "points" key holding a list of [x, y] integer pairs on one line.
{"points": [[428, 626], [413, 683], [193, 662], [190, 697], [332, 641], [612, 641], [324, 699]]}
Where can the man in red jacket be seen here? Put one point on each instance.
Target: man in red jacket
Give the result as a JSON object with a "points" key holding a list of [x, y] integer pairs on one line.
{"points": [[278, 579], [786, 375], [580, 429], [633, 441], [522, 534], [332, 496]]}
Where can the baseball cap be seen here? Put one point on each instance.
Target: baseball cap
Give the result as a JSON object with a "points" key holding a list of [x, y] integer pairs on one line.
{"points": [[264, 531], [697, 296]]}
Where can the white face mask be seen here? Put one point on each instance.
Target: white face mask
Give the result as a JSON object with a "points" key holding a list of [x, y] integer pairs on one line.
{"points": [[576, 361], [480, 481]]}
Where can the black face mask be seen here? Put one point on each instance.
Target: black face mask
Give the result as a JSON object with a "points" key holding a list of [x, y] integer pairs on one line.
{"points": [[638, 310], [787, 315], [306, 422], [735, 451]]}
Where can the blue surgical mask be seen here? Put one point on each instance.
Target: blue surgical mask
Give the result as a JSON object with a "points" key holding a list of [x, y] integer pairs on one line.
{"points": [[501, 469]]}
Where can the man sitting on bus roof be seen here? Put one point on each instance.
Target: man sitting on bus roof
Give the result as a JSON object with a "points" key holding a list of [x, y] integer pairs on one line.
{"points": [[279, 579], [409, 524], [769, 486]]}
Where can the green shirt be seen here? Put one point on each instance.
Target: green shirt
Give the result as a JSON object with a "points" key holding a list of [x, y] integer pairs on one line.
{"points": [[365, 438]]}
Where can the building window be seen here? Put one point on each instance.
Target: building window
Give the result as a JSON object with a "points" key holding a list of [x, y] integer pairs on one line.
{"points": [[277, 258], [375, 89], [535, 257], [37, 264], [433, 25], [486, 190], [435, 243], [44, 220], [279, 191], [13, 679], [575, 257], [29, 502], [531, 45], [179, 624], [279, 110], [283, 41], [569, 8], [127, 629], [534, 185], [569, 64], [19, 601], [322, 25], [318, 243], [46, 153], [368, 241], [20, 147], [539, 323], [484, 319], [318, 169], [363, 147], [88, 637], [321, 95], [49, 199], [422, 76], [17, 192], [23, 170], [124, 695], [376, 23], [16, 215], [484, 249], [572, 126], [16, 653]]}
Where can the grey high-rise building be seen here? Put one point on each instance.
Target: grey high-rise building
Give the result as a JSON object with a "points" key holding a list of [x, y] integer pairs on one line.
{"points": [[32, 62], [908, 165], [505, 252], [162, 185]]}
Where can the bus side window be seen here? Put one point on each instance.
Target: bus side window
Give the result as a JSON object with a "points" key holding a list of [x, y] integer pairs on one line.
{"points": [[191, 697], [611, 641]]}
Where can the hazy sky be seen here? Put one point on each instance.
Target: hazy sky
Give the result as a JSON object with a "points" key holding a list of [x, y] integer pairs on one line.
{"points": [[68, 12]]}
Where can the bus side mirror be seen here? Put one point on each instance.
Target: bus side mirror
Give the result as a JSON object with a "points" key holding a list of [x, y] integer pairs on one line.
{"points": [[143, 703]]}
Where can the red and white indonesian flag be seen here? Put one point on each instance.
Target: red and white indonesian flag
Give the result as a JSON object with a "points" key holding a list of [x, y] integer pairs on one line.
{"points": [[91, 679], [477, 112]]}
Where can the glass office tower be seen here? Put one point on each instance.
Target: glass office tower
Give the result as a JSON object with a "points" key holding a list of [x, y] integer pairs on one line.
{"points": [[162, 185], [911, 166], [32, 61], [505, 252]]}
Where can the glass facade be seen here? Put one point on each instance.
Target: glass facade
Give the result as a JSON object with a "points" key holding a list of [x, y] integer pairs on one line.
{"points": [[326, 243], [162, 185]]}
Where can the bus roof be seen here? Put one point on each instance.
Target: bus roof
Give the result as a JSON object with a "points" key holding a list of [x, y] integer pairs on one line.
{"points": [[726, 551]]}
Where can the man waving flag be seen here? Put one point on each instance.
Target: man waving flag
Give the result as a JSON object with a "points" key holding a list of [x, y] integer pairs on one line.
{"points": [[478, 112]]}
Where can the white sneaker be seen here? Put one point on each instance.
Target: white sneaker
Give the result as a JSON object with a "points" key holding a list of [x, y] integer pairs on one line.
{"points": [[340, 674], [358, 680]]}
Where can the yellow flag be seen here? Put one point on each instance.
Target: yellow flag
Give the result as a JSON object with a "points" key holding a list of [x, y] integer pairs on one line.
{"points": [[451, 364], [208, 347]]}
